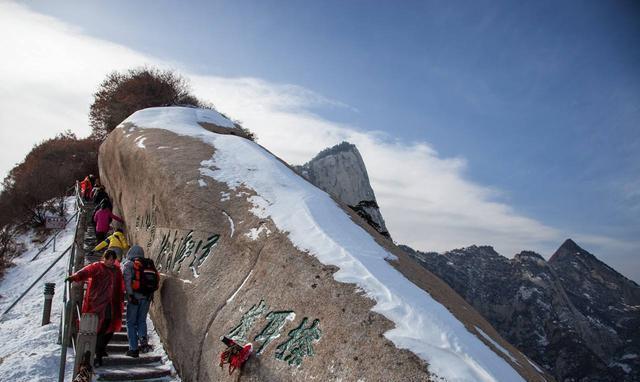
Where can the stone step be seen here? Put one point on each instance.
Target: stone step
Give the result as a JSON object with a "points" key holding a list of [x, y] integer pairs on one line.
{"points": [[133, 373], [117, 347], [161, 379], [119, 336], [123, 360]]}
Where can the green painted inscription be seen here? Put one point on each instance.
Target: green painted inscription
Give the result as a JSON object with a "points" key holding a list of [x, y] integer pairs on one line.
{"points": [[239, 333], [299, 344], [293, 350], [272, 331]]}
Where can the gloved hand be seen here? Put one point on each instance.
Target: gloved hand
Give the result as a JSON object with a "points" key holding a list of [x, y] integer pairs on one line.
{"points": [[133, 300], [68, 279]]}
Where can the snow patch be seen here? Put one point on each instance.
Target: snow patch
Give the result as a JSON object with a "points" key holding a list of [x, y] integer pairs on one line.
{"points": [[177, 118], [140, 141], [202, 183], [623, 366], [526, 293], [240, 287], [158, 349], [233, 227], [497, 345], [254, 233], [225, 196], [534, 365]]}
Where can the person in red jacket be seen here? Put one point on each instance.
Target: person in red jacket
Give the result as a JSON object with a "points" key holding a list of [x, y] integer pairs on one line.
{"points": [[86, 187], [104, 296], [102, 218]]}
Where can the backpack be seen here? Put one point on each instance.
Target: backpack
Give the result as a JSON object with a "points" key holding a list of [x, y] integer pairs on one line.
{"points": [[146, 279]]}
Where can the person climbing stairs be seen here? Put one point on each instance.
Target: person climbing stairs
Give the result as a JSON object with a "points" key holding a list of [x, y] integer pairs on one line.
{"points": [[117, 366]]}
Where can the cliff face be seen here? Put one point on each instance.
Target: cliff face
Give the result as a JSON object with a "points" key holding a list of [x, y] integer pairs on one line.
{"points": [[341, 172], [573, 314], [250, 250]]}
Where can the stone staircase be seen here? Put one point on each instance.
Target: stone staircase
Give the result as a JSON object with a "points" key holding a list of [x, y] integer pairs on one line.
{"points": [[117, 366]]}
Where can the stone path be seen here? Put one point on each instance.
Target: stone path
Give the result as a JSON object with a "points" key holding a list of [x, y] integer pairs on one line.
{"points": [[117, 366]]}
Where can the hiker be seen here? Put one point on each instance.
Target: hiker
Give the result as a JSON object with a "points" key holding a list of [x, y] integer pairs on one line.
{"points": [[86, 186], [99, 194], [104, 296], [102, 218], [117, 242], [141, 280]]}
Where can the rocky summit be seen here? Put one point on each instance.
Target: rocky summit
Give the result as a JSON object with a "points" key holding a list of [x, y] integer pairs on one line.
{"points": [[573, 314], [341, 172]]}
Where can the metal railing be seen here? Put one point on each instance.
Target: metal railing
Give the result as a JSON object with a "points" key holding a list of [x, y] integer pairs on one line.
{"points": [[72, 295], [44, 247], [50, 266]]}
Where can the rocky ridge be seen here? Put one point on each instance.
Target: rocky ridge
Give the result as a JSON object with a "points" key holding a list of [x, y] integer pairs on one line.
{"points": [[573, 314], [341, 172]]}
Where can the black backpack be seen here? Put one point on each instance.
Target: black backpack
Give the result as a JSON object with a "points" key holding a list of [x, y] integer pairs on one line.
{"points": [[146, 278]]}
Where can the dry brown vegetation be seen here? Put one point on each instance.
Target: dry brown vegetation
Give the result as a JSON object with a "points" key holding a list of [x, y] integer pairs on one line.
{"points": [[36, 185], [122, 94]]}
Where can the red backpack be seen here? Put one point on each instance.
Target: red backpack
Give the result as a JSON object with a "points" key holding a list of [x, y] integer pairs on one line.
{"points": [[146, 278]]}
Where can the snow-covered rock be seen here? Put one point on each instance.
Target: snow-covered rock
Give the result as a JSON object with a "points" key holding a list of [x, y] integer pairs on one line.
{"points": [[276, 259]]}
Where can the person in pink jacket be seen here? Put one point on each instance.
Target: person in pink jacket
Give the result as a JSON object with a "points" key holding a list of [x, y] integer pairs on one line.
{"points": [[102, 218]]}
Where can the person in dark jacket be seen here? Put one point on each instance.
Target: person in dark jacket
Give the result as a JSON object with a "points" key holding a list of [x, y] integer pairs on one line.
{"points": [[104, 297], [138, 306], [99, 194]]}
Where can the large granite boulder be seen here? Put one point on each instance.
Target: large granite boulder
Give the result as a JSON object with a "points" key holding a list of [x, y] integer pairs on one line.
{"points": [[250, 250]]}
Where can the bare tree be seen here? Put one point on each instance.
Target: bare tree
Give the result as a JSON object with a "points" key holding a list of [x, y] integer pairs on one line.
{"points": [[122, 94]]}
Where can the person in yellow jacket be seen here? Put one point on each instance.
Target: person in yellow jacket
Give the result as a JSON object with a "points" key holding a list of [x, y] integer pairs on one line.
{"points": [[116, 242]]}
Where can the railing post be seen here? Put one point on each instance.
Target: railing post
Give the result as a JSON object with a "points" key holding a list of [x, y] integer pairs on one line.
{"points": [[49, 290], [87, 337], [77, 290], [65, 339]]}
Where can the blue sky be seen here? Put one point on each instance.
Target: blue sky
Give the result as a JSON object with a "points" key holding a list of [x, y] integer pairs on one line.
{"points": [[539, 100]]}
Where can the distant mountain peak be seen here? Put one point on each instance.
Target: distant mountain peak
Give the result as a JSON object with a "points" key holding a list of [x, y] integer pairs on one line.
{"points": [[569, 247], [530, 256], [340, 147]]}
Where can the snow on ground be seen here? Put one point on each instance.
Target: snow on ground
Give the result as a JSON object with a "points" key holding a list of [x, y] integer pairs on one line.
{"points": [[29, 351], [497, 345], [158, 349], [320, 227]]}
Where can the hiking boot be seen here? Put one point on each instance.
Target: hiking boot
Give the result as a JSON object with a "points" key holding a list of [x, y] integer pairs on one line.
{"points": [[97, 362], [143, 345], [133, 353]]}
